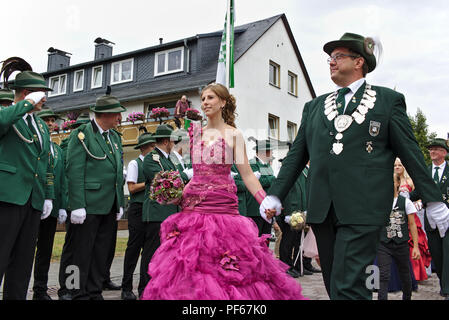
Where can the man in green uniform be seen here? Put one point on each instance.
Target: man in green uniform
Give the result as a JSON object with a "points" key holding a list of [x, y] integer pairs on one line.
{"points": [[27, 182], [153, 213], [180, 154], [47, 228], [261, 167], [96, 200], [136, 186], [6, 97], [352, 137], [241, 190], [438, 243]]}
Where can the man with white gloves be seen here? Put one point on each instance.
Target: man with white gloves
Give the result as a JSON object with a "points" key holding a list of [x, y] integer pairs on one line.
{"points": [[26, 177], [436, 218], [47, 228], [95, 183]]}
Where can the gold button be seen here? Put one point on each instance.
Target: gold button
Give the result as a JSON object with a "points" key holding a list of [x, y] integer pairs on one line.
{"points": [[26, 104], [35, 175], [38, 158]]}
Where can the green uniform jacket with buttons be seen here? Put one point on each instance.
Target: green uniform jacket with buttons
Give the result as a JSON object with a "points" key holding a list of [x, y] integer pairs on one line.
{"points": [[25, 168], [443, 185], [153, 211], [94, 184], [358, 181], [60, 181], [296, 199], [242, 191], [266, 178]]}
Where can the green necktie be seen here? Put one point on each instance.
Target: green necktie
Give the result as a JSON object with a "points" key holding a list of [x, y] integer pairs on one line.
{"points": [[340, 102], [436, 177], [105, 136], [33, 130]]}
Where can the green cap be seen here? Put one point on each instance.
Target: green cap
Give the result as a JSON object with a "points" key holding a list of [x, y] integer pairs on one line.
{"points": [[439, 142], [263, 145], [30, 80], [108, 104], [6, 95], [46, 113], [357, 43], [164, 131], [144, 139], [82, 118]]}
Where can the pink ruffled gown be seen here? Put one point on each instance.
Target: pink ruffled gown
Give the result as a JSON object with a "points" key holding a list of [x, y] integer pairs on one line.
{"points": [[208, 250]]}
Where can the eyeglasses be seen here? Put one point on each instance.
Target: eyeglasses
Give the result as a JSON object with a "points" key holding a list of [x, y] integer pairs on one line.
{"points": [[339, 56]]}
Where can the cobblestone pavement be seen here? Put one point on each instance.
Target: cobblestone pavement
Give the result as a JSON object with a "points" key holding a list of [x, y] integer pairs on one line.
{"points": [[312, 285]]}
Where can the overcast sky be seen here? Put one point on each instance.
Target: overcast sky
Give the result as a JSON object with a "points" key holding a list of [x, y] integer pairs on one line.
{"points": [[413, 34]]}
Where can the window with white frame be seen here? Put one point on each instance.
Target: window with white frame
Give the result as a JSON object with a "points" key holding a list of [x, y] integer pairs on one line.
{"points": [[274, 74], [292, 83], [97, 77], [58, 84], [78, 80], [122, 71], [169, 61], [273, 126], [291, 131]]}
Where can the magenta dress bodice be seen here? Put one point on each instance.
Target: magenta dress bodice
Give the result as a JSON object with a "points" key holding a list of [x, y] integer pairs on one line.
{"points": [[208, 250]]}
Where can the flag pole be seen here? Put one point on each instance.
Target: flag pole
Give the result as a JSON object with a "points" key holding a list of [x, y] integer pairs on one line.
{"points": [[228, 42]]}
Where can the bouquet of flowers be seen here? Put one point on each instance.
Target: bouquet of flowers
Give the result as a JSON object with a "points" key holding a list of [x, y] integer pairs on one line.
{"points": [[159, 113], [167, 187], [135, 116], [298, 220], [193, 114], [68, 124]]}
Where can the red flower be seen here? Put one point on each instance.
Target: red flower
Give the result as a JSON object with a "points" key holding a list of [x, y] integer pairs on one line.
{"points": [[229, 262]]}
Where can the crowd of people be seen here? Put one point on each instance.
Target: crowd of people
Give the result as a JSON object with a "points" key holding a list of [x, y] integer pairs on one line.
{"points": [[346, 173]]}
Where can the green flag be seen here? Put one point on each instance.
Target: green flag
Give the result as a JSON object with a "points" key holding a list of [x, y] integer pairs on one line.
{"points": [[225, 67]]}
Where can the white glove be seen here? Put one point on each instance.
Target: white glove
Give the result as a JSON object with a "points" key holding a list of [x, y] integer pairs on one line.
{"points": [[78, 216], [418, 205], [257, 174], [188, 172], [438, 216], [46, 210], [62, 216], [120, 214], [270, 202], [36, 97], [287, 219]]}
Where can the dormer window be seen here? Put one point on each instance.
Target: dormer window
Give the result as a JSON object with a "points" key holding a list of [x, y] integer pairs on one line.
{"points": [[122, 71], [169, 61], [58, 84], [97, 77]]}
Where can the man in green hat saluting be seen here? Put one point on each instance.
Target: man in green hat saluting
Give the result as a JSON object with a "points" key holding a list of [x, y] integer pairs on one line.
{"points": [[136, 186], [47, 228], [27, 181], [154, 213], [438, 245], [95, 176], [261, 167], [351, 137], [6, 98]]}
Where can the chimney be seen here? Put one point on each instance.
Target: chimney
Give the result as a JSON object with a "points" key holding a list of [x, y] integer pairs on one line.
{"points": [[57, 59], [160, 40], [103, 48]]}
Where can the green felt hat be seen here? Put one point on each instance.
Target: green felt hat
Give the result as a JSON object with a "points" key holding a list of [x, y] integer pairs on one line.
{"points": [[439, 142], [144, 139], [263, 145], [180, 135], [46, 113], [82, 118], [107, 104], [30, 80], [164, 131], [357, 43], [6, 95]]}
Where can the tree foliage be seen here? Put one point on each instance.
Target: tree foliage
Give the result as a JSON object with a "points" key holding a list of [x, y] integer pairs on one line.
{"points": [[421, 131]]}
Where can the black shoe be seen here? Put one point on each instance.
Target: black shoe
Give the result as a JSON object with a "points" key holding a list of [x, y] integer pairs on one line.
{"points": [[292, 272], [109, 285], [312, 269], [128, 295], [304, 273], [41, 296], [65, 296]]}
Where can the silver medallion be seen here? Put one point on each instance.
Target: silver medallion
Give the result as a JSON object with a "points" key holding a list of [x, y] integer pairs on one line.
{"points": [[362, 109], [328, 110], [371, 92], [359, 118], [342, 122], [339, 136], [332, 115], [337, 147]]}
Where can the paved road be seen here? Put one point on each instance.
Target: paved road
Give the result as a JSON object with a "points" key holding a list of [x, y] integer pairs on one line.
{"points": [[312, 285]]}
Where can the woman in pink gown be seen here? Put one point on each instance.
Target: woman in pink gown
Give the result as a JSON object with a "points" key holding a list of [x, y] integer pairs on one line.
{"points": [[208, 250]]}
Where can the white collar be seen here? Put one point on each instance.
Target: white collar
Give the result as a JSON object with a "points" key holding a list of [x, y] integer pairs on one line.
{"points": [[355, 85], [99, 128], [441, 166], [163, 152], [141, 157]]}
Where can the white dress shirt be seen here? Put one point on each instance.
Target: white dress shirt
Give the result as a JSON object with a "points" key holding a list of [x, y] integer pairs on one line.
{"points": [[133, 170], [440, 171], [34, 125], [353, 87]]}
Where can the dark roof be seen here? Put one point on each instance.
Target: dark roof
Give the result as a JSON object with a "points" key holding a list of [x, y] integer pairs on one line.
{"points": [[245, 36]]}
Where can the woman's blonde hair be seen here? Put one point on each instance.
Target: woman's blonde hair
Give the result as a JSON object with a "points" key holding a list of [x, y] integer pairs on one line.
{"points": [[228, 111]]}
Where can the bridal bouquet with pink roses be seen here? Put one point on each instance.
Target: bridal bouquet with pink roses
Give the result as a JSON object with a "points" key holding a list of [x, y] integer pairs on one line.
{"points": [[167, 187]]}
